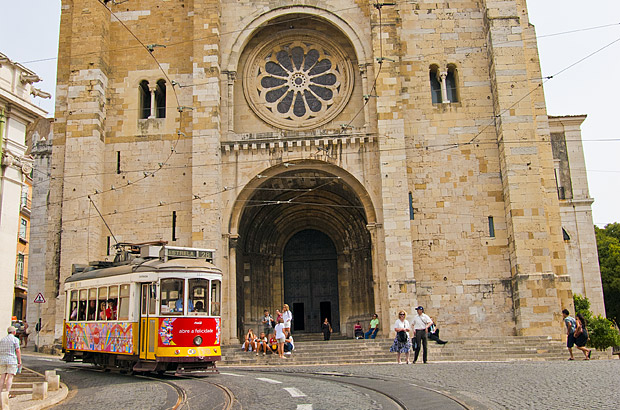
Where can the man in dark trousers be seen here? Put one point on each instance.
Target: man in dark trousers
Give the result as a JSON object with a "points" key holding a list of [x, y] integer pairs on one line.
{"points": [[421, 322]]}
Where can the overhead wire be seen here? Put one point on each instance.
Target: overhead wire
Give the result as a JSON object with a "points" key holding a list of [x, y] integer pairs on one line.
{"points": [[373, 89]]}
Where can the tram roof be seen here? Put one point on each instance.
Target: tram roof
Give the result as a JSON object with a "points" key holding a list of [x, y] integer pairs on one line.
{"points": [[146, 265]]}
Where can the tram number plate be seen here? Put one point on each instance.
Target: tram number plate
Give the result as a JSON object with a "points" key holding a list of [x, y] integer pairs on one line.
{"points": [[187, 253]]}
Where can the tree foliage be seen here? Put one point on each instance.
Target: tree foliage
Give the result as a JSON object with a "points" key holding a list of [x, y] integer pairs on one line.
{"points": [[608, 244], [602, 331]]}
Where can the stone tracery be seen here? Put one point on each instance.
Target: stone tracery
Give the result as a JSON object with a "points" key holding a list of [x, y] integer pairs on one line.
{"points": [[298, 81]]}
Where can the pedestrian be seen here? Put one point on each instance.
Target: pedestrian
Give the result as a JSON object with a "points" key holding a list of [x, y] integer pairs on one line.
{"points": [[10, 359], [402, 341], [357, 330], [373, 328], [23, 337], [581, 336], [268, 322], [289, 345], [421, 323], [433, 333], [287, 316], [571, 325], [280, 337], [326, 328], [262, 344], [249, 343]]}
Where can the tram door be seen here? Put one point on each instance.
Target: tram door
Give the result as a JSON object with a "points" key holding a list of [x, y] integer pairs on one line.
{"points": [[148, 321]]}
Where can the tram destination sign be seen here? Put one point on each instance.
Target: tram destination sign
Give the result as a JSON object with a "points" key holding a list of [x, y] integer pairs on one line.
{"points": [[189, 253]]}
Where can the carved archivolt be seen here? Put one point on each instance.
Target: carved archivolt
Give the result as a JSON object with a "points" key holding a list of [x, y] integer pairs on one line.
{"points": [[298, 81]]}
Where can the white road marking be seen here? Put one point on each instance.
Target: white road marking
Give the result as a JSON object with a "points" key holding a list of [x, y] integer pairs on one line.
{"points": [[264, 379], [231, 374], [294, 392], [304, 407]]}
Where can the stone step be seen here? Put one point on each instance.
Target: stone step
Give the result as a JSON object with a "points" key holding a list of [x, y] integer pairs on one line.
{"points": [[377, 351]]}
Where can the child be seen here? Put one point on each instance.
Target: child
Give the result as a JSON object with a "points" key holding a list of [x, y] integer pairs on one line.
{"points": [[261, 344]]}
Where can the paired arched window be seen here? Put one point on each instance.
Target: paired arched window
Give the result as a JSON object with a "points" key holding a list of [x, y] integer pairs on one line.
{"points": [[444, 84], [152, 99]]}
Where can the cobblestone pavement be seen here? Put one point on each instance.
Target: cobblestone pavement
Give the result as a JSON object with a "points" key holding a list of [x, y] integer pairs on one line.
{"points": [[480, 385], [579, 384]]}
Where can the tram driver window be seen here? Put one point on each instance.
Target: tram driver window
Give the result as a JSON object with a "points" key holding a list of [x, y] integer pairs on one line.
{"points": [[172, 296], [198, 296], [215, 298], [82, 306]]}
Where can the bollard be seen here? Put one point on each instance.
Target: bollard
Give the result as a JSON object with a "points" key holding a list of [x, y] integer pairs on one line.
{"points": [[4, 400], [39, 390], [53, 380]]}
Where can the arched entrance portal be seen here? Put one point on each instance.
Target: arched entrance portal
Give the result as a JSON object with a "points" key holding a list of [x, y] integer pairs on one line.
{"points": [[303, 240], [311, 280]]}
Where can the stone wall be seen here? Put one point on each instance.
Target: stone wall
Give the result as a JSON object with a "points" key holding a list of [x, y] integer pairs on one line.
{"points": [[480, 244]]}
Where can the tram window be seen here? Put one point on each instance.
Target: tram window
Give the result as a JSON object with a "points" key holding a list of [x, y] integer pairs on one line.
{"points": [[172, 296], [91, 314], [215, 298], [198, 296], [123, 306], [112, 302], [83, 302], [74, 305], [102, 303]]}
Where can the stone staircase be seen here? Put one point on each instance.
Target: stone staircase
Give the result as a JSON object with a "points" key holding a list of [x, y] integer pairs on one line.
{"points": [[22, 382], [309, 351]]}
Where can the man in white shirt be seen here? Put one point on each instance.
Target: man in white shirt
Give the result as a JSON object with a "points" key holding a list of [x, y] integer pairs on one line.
{"points": [[421, 322]]}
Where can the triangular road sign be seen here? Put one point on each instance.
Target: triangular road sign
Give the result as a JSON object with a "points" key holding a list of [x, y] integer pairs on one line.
{"points": [[39, 298]]}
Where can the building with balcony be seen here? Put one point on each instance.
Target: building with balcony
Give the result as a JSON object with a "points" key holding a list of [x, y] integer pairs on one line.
{"points": [[17, 112]]}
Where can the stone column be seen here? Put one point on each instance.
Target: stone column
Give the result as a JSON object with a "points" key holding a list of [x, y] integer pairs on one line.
{"points": [[78, 150], [152, 89], [396, 261], [444, 89], [536, 252]]}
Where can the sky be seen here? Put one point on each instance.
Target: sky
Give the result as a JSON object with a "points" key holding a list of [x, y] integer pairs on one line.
{"points": [[568, 31]]}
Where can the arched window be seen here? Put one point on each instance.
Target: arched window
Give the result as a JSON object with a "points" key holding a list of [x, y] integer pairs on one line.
{"points": [[444, 86], [145, 99], [451, 89], [160, 99], [435, 84]]}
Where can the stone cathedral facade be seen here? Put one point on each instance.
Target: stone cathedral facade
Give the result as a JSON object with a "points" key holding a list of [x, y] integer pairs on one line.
{"points": [[344, 157]]}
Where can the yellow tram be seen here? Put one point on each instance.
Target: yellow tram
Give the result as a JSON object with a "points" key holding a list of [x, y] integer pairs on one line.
{"points": [[155, 308]]}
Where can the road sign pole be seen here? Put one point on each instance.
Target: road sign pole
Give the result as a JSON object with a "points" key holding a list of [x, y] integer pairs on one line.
{"points": [[38, 327]]}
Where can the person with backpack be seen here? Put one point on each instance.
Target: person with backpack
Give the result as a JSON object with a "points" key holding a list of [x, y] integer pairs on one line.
{"points": [[402, 341], [268, 322], [571, 325]]}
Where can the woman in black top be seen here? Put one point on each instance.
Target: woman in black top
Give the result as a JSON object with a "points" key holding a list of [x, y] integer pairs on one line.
{"points": [[326, 328], [581, 336]]}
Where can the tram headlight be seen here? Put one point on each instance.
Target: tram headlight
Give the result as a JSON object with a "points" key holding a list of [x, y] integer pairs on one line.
{"points": [[198, 340]]}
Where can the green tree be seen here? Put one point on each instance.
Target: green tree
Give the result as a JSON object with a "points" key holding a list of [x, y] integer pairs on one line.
{"points": [[608, 244]]}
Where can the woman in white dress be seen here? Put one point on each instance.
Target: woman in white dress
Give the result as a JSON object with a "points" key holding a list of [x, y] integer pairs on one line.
{"points": [[402, 341], [287, 316]]}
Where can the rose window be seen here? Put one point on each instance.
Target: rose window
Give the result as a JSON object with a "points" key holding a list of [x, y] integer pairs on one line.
{"points": [[298, 83]]}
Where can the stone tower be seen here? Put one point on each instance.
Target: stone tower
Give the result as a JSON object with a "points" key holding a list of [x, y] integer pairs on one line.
{"points": [[344, 157]]}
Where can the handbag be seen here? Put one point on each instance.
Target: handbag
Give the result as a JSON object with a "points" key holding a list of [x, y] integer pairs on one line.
{"points": [[401, 336]]}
